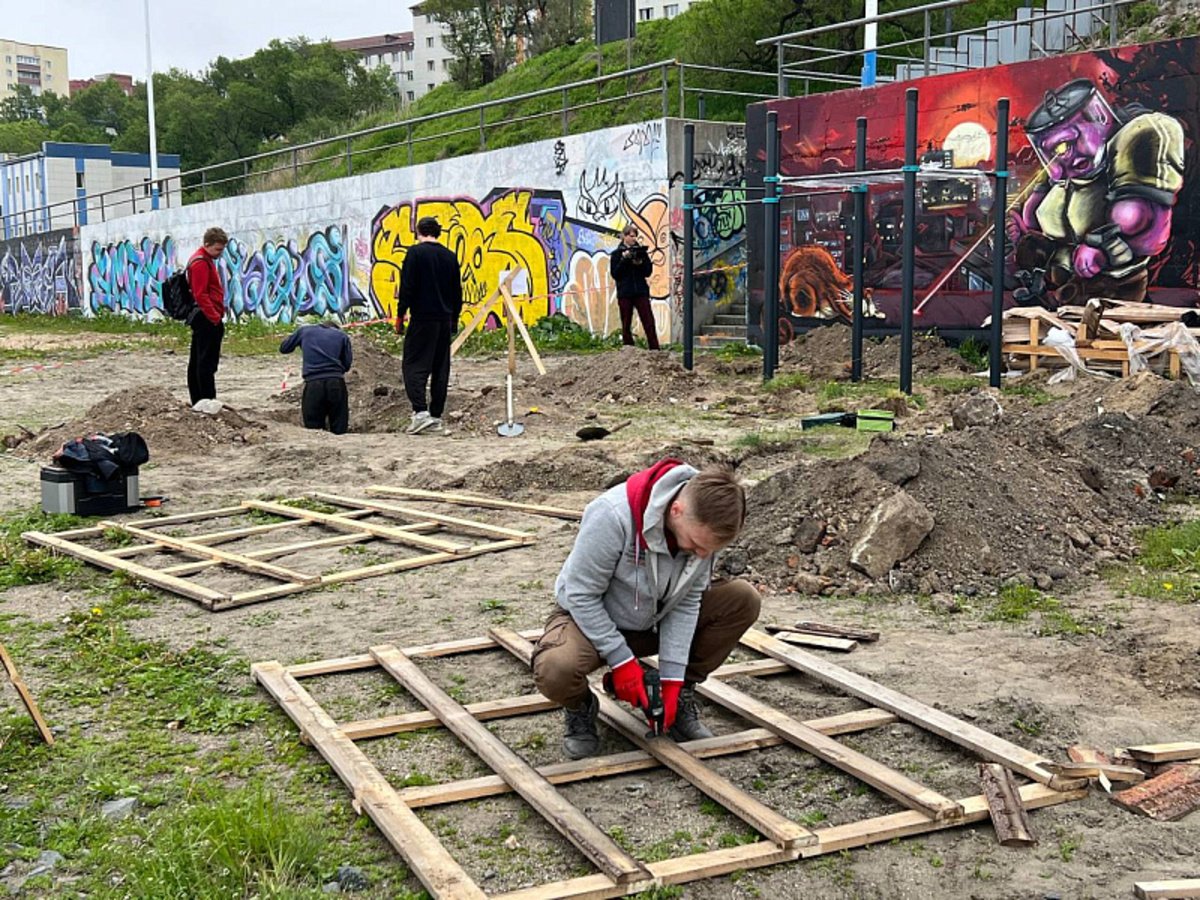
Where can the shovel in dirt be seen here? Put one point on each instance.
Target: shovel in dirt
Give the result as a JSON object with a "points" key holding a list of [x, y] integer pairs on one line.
{"points": [[598, 433]]}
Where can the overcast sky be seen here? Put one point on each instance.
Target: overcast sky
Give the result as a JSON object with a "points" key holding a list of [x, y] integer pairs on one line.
{"points": [[109, 35]]}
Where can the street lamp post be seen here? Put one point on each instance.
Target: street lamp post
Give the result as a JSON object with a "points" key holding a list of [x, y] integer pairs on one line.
{"points": [[150, 106]]}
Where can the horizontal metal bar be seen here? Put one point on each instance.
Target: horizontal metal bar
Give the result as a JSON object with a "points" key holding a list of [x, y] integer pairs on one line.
{"points": [[701, 68], [865, 20], [691, 90]]}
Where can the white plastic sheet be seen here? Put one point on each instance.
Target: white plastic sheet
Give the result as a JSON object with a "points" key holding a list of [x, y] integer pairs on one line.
{"points": [[1171, 336], [1063, 342]]}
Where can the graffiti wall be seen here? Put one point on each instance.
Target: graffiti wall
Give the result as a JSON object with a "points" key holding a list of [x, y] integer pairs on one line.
{"points": [[40, 274], [1104, 193], [554, 209]]}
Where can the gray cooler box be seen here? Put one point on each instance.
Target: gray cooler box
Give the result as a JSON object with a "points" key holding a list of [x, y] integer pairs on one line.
{"points": [[80, 494]]}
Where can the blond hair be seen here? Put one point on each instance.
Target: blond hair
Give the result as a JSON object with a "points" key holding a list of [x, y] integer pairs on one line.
{"points": [[716, 499]]}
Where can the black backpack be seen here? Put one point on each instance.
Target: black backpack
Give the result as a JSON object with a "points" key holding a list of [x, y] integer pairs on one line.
{"points": [[177, 299]]}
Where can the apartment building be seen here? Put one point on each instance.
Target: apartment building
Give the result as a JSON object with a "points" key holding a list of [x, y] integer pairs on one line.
{"points": [[659, 9], [36, 66], [37, 190], [125, 82], [394, 52], [431, 57]]}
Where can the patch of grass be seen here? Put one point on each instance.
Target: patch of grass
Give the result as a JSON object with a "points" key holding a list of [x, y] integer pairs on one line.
{"points": [[24, 563], [792, 381], [732, 351], [493, 604], [1017, 603], [816, 817], [975, 352], [952, 384], [312, 505], [1067, 845], [710, 807], [550, 334], [1031, 392], [830, 441], [1171, 547]]}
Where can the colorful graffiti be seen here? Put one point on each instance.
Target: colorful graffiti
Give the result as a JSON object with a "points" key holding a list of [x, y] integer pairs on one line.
{"points": [[1103, 192], [127, 276], [39, 275], [280, 282]]}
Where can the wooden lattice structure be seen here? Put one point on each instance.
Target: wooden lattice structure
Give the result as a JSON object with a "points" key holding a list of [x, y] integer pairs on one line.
{"points": [[363, 521], [619, 873]]}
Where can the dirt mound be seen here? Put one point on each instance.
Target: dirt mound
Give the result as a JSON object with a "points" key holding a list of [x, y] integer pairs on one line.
{"points": [[577, 469], [652, 377], [825, 353], [169, 426]]}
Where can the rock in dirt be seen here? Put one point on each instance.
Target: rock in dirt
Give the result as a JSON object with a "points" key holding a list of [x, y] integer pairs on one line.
{"points": [[899, 467], [352, 878], [812, 585], [120, 808], [893, 532], [808, 534], [977, 410]]}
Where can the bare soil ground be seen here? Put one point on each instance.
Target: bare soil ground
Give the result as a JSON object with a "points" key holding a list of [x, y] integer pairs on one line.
{"points": [[1002, 500]]}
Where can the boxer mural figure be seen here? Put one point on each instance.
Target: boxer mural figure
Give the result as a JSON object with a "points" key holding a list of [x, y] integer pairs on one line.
{"points": [[1102, 208]]}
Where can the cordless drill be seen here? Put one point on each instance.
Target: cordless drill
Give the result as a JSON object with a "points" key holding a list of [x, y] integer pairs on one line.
{"points": [[655, 713]]}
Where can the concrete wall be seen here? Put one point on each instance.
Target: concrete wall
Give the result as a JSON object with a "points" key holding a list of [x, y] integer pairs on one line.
{"points": [[554, 208], [40, 274]]}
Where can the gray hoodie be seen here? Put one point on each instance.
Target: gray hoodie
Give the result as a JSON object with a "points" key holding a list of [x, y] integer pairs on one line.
{"points": [[609, 582]]}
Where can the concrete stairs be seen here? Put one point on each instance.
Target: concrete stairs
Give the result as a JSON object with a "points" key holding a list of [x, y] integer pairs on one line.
{"points": [[729, 327]]}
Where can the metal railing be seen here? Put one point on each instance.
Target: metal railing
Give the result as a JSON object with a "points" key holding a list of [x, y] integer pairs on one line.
{"points": [[801, 69], [283, 167]]}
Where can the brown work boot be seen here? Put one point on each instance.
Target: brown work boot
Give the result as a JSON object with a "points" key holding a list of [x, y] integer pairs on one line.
{"points": [[688, 726]]}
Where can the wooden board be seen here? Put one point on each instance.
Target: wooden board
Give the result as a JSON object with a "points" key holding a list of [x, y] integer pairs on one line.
{"points": [[1112, 772], [340, 523], [26, 697], [1166, 797], [823, 641], [1008, 815], [474, 500], [1158, 753], [1081, 754], [539, 793], [896, 785], [467, 525], [854, 634], [437, 869], [989, 746], [753, 812], [1179, 889]]}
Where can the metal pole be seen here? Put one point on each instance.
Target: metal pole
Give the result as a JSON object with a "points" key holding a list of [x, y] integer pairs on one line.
{"points": [[949, 21], [771, 244], [999, 206], [482, 138], [860, 246], [909, 225], [666, 92], [349, 158], [870, 39], [682, 92], [689, 226], [928, 36], [564, 112], [1112, 23], [295, 166], [780, 81], [150, 113], [410, 144], [700, 111]]}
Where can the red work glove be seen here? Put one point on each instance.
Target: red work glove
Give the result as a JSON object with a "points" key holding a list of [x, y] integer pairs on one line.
{"points": [[670, 696], [629, 683]]}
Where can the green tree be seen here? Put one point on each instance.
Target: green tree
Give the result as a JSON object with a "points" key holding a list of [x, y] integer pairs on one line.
{"points": [[20, 106], [23, 137]]}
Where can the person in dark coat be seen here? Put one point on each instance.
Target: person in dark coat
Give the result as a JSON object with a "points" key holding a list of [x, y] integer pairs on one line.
{"points": [[431, 295], [327, 358], [630, 267]]}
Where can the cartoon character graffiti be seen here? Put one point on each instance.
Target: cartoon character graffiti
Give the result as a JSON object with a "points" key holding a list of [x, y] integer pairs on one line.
{"points": [[812, 285], [1103, 209]]}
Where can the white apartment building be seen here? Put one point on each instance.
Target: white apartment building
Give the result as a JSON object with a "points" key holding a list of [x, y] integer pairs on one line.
{"points": [[36, 66], [660, 9], [392, 51], [431, 58]]}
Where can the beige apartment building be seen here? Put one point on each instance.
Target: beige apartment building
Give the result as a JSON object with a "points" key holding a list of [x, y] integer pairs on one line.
{"points": [[38, 66]]}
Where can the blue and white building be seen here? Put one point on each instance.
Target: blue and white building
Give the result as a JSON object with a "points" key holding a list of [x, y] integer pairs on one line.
{"points": [[66, 185]]}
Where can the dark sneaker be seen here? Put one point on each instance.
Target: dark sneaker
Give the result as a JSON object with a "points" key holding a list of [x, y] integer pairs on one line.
{"points": [[581, 739], [688, 726]]}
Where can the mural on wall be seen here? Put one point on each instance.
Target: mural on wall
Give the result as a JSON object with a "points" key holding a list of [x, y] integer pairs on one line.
{"points": [[1103, 198], [39, 275], [276, 283]]}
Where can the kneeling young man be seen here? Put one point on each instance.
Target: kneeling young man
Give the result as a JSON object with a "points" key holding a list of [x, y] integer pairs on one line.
{"points": [[637, 582]]}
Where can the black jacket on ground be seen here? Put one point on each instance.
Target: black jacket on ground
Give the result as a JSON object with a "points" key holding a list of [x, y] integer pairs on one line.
{"points": [[430, 284], [630, 267]]}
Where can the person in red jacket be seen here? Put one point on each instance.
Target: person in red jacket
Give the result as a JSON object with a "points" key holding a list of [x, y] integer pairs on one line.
{"points": [[208, 325]]}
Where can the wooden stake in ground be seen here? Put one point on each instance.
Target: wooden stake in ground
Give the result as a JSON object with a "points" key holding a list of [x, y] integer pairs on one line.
{"points": [[26, 697], [1004, 804]]}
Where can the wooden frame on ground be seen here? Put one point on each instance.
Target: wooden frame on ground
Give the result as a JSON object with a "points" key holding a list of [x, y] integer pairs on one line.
{"points": [[419, 529], [619, 874]]}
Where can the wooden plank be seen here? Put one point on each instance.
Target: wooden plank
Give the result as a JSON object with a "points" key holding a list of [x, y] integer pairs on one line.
{"points": [[698, 866], [895, 784], [1159, 753], [482, 311], [539, 793], [340, 523], [401, 565], [750, 810], [515, 317], [1004, 806], [420, 515], [437, 870], [989, 746], [425, 651], [1095, 770], [1178, 889], [1166, 797], [638, 760], [854, 634], [1081, 754], [474, 500], [98, 530], [817, 640], [224, 557], [414, 721], [198, 592], [26, 697]]}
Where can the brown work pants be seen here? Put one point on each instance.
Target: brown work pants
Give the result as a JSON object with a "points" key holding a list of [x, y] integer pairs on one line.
{"points": [[564, 657]]}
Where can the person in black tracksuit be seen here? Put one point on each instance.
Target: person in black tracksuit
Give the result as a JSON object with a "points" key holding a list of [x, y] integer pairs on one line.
{"points": [[431, 295], [630, 267], [327, 358]]}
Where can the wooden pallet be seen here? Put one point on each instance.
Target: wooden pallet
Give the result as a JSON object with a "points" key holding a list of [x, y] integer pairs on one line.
{"points": [[1024, 329], [360, 523], [619, 874], [26, 697]]}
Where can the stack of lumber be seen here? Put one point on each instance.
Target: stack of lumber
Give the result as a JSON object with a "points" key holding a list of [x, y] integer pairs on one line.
{"points": [[1025, 327], [1172, 786], [827, 637]]}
